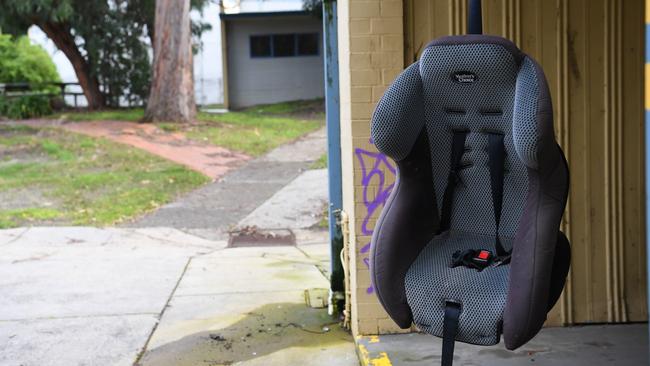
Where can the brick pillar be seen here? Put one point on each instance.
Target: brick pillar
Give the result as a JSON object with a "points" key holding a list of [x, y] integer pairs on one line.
{"points": [[371, 55]]}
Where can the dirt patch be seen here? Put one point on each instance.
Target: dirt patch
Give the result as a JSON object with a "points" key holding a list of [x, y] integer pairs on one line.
{"points": [[16, 199]]}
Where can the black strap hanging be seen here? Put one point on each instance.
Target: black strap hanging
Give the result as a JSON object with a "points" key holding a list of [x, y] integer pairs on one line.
{"points": [[497, 155], [449, 331], [457, 150]]}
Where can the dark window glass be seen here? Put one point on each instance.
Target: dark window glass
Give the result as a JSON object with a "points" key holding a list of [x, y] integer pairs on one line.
{"points": [[308, 44], [260, 46], [284, 45]]}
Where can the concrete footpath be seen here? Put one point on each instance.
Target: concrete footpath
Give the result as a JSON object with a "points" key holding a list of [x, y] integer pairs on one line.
{"points": [[88, 296], [589, 345], [212, 210]]}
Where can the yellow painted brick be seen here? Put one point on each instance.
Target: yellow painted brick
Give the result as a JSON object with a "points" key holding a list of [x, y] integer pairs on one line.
{"points": [[361, 110], [364, 9], [391, 8], [363, 142], [378, 91], [365, 43], [364, 77], [389, 75], [371, 311], [391, 42], [386, 59], [361, 128], [359, 60], [360, 26], [386, 26], [361, 94], [388, 326], [364, 296], [367, 327]]}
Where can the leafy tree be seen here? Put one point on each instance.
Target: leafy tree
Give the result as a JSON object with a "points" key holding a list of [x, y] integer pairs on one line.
{"points": [[20, 60], [106, 41], [315, 7]]}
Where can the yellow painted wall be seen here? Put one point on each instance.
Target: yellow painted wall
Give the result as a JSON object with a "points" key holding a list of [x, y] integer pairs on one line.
{"points": [[592, 52]]}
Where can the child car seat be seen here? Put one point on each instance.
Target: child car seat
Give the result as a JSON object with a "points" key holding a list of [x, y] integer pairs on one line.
{"points": [[468, 245]]}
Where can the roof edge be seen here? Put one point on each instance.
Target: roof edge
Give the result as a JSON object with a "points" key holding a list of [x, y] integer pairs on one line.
{"points": [[265, 14]]}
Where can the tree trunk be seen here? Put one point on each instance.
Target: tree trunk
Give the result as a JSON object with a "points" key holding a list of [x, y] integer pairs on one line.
{"points": [[172, 87], [63, 39]]}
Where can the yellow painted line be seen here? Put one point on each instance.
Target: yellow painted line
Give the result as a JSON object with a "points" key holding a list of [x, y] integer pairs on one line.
{"points": [[373, 339], [381, 359]]}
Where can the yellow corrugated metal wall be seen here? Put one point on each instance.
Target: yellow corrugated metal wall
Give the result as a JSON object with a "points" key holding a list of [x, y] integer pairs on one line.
{"points": [[592, 52]]}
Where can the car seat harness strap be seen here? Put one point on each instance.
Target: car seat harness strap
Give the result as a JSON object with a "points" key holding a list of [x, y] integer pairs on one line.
{"points": [[457, 150], [449, 331], [497, 155]]}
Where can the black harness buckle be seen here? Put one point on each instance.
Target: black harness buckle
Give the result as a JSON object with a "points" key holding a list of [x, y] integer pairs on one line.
{"points": [[477, 259]]}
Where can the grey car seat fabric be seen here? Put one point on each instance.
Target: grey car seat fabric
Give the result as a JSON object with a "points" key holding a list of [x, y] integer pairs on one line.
{"points": [[479, 85]]}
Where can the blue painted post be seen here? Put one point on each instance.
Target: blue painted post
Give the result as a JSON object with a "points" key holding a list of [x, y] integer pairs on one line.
{"points": [[330, 45], [647, 150]]}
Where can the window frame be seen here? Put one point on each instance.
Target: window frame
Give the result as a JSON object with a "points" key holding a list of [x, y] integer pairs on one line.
{"points": [[272, 54]]}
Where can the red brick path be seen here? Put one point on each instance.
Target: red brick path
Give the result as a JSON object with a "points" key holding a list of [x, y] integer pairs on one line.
{"points": [[213, 161]]}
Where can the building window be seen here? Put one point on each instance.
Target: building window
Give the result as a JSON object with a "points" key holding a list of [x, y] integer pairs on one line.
{"points": [[284, 45], [261, 46], [308, 44]]}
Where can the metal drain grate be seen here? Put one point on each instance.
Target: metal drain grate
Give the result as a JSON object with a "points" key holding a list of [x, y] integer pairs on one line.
{"points": [[252, 236]]}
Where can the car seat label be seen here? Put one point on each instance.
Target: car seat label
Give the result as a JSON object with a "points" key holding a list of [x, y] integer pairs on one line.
{"points": [[463, 77]]}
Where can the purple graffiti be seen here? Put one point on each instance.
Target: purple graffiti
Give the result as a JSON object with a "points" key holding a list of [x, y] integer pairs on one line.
{"points": [[374, 168]]}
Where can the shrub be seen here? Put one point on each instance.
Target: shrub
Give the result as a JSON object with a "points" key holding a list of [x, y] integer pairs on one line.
{"points": [[26, 106], [22, 61]]}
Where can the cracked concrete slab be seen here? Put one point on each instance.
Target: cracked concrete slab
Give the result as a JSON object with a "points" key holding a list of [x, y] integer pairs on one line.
{"points": [[101, 340], [311, 147], [297, 205], [246, 306], [218, 274], [75, 296]]}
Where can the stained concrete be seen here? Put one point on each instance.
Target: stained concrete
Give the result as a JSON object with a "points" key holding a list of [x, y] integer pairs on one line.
{"points": [[591, 345], [247, 306]]}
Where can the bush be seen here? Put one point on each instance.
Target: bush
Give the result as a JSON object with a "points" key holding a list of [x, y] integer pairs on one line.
{"points": [[25, 106], [21, 61]]}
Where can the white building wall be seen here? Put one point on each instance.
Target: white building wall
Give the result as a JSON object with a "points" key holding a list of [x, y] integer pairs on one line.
{"points": [[254, 81]]}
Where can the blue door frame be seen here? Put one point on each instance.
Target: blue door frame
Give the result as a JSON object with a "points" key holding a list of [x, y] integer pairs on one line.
{"points": [[332, 111]]}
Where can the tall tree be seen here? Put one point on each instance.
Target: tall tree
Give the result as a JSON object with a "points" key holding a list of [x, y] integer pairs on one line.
{"points": [[172, 88], [106, 41]]}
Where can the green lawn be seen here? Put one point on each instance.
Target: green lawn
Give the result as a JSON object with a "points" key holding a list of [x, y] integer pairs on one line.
{"points": [[253, 131], [321, 163], [81, 180]]}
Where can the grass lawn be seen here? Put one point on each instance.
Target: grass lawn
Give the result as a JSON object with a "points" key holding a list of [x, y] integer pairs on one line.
{"points": [[53, 176], [252, 131], [321, 163]]}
